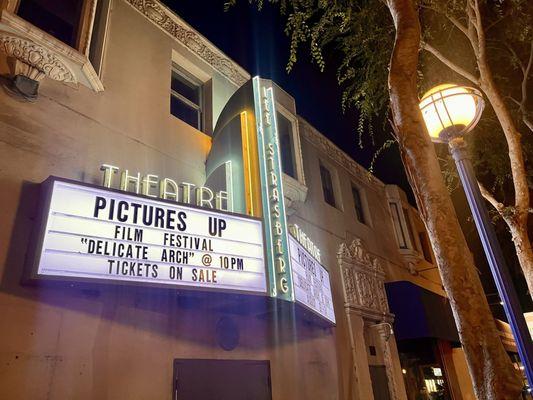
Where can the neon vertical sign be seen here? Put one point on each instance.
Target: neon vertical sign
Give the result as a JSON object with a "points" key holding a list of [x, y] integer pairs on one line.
{"points": [[275, 222]]}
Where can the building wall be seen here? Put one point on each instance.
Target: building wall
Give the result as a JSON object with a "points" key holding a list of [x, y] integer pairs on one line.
{"points": [[331, 226], [88, 342], [100, 342]]}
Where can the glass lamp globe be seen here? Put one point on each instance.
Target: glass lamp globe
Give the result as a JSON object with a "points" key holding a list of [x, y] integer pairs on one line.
{"points": [[450, 111]]}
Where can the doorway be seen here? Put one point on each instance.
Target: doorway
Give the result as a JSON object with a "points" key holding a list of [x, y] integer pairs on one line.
{"points": [[196, 379]]}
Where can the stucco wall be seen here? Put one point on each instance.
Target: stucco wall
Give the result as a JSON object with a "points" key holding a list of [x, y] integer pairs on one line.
{"points": [[93, 342], [329, 226]]}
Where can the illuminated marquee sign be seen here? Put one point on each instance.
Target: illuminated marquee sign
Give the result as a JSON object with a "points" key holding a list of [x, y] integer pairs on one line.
{"points": [[305, 241], [312, 286], [276, 234], [94, 233], [165, 188]]}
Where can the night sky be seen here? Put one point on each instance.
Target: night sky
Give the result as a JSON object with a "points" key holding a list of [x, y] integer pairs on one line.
{"points": [[257, 42]]}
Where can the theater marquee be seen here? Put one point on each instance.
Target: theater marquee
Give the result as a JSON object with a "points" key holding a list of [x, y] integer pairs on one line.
{"points": [[92, 233], [312, 286]]}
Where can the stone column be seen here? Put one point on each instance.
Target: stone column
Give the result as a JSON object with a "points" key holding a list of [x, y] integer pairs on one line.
{"points": [[392, 361], [363, 280], [361, 383]]}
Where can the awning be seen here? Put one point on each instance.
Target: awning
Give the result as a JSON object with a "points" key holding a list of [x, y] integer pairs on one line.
{"points": [[420, 313]]}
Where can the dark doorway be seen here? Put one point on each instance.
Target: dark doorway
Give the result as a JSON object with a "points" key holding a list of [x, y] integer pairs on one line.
{"points": [[221, 380], [380, 383]]}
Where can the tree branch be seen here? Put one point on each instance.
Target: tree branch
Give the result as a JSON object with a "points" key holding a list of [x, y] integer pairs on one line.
{"points": [[508, 13], [458, 24], [527, 122], [450, 64], [480, 32], [491, 199], [472, 33], [527, 70], [513, 53]]}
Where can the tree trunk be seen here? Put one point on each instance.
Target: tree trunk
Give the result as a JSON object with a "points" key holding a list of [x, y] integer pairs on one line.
{"points": [[518, 222], [524, 252], [492, 373]]}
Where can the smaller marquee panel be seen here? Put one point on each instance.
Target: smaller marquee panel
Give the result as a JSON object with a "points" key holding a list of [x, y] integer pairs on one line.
{"points": [[312, 286]]}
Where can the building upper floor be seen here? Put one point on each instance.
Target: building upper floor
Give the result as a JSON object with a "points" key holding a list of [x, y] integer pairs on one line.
{"points": [[131, 83]]}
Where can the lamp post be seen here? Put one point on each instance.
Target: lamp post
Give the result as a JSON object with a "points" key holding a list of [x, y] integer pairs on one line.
{"points": [[450, 111]]}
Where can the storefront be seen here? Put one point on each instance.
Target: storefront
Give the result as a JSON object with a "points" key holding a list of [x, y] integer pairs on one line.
{"points": [[426, 336]]}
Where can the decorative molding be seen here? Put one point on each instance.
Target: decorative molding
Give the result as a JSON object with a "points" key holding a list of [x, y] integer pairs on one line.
{"points": [[363, 281], [294, 192], [384, 331], [87, 24], [411, 259], [170, 23], [67, 64], [326, 146], [36, 57]]}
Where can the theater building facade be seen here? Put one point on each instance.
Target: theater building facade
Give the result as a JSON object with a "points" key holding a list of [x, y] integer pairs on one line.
{"points": [[171, 228]]}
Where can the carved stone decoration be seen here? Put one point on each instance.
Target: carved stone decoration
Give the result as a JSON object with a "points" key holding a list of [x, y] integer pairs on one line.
{"points": [[32, 60], [385, 332], [363, 280], [294, 193], [327, 147], [175, 27]]}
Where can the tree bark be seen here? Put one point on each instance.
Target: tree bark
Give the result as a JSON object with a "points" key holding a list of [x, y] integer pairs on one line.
{"points": [[492, 373], [524, 252], [517, 223]]}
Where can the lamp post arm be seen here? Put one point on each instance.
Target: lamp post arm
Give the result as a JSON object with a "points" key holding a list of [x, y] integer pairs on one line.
{"points": [[494, 255]]}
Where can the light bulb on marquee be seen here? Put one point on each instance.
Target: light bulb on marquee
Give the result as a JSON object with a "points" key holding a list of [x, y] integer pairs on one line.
{"points": [[450, 110]]}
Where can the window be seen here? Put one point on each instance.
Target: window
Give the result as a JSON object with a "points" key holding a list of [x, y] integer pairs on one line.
{"points": [[425, 246], [286, 144], [59, 18], [99, 35], [186, 98], [358, 205], [327, 186], [409, 227], [78, 29], [398, 226]]}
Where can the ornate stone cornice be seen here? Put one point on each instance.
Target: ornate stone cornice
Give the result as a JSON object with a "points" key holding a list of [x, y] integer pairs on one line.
{"points": [[35, 56], [357, 254], [326, 146], [174, 26], [363, 280]]}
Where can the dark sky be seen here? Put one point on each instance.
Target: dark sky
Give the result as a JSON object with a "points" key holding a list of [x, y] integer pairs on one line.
{"points": [[256, 41]]}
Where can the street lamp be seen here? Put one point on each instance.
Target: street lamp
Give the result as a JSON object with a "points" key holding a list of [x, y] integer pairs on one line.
{"points": [[451, 111]]}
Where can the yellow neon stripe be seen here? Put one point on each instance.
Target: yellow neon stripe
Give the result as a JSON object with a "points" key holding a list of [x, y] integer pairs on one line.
{"points": [[247, 161]]}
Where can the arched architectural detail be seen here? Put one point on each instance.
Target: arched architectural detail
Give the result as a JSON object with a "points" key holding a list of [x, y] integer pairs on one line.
{"points": [[34, 61]]}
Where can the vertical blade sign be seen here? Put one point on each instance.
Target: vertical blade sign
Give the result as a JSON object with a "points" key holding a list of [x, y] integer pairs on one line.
{"points": [[275, 222]]}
